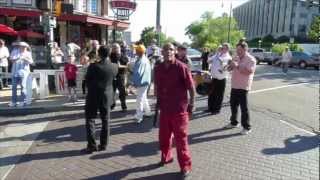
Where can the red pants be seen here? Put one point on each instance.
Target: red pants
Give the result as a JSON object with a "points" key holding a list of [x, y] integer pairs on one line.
{"points": [[176, 124]]}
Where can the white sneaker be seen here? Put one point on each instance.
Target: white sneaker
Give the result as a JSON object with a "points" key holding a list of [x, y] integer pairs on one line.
{"points": [[21, 104], [245, 131], [139, 120], [230, 126], [11, 104]]}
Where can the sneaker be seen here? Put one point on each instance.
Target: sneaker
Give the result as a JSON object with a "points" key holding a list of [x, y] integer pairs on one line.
{"points": [[230, 126], [11, 104], [139, 120], [21, 104], [245, 131]]}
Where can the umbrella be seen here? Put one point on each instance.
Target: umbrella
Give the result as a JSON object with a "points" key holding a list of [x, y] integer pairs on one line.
{"points": [[7, 30], [30, 34]]}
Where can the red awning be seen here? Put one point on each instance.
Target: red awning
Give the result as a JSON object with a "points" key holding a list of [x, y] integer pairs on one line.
{"points": [[92, 19], [19, 12], [7, 30], [30, 34]]}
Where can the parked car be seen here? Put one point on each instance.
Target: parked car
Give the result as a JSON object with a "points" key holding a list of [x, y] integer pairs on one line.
{"points": [[304, 60], [195, 57], [258, 53], [271, 58]]}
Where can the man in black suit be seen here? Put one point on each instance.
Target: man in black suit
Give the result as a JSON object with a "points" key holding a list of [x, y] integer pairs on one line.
{"points": [[99, 80]]}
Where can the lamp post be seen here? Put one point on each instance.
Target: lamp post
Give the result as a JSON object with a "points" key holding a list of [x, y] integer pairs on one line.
{"points": [[158, 25], [229, 26]]}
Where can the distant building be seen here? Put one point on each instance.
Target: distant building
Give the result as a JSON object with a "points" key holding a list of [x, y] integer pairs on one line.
{"points": [[291, 18]]}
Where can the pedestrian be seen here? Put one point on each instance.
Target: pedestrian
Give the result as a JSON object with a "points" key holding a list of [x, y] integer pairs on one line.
{"points": [[4, 55], [286, 58], [182, 55], [85, 61], [71, 49], [57, 56], [173, 82], [243, 67], [99, 80], [204, 58], [70, 70], [20, 71], [119, 82], [141, 79], [219, 74]]}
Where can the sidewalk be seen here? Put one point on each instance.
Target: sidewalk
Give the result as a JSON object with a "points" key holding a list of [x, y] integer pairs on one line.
{"points": [[273, 150]]}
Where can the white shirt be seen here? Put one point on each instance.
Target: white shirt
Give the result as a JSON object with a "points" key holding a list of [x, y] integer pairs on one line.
{"points": [[21, 63], [286, 56], [4, 54], [218, 63]]}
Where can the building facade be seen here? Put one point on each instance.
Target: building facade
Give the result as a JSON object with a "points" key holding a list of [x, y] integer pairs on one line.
{"points": [[291, 18], [88, 19]]}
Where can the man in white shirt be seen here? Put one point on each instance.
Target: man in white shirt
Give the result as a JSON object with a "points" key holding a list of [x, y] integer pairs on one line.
{"points": [[219, 74], [4, 54], [286, 58]]}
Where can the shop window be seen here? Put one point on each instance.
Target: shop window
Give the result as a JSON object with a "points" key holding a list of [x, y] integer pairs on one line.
{"points": [[92, 6]]}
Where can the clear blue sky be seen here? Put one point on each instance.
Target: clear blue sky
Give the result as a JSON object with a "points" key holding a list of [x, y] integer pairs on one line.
{"points": [[176, 15]]}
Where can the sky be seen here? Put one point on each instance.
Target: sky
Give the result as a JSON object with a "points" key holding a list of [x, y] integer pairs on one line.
{"points": [[176, 15]]}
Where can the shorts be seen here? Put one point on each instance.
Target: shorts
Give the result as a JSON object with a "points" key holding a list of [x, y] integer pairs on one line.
{"points": [[72, 83]]}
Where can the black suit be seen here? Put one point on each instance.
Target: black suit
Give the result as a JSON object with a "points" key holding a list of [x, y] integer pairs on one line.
{"points": [[99, 80]]}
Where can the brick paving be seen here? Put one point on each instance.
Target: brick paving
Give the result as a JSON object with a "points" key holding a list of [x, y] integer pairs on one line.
{"points": [[273, 150]]}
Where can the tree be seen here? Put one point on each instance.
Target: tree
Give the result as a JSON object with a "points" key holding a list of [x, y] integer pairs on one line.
{"points": [[314, 32], [148, 34], [279, 48], [211, 32]]}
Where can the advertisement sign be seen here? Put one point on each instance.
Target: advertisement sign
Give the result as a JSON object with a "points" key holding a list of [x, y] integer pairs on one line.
{"points": [[123, 8], [24, 2]]}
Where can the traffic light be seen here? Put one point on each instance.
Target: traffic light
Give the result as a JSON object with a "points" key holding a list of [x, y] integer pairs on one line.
{"points": [[57, 7]]}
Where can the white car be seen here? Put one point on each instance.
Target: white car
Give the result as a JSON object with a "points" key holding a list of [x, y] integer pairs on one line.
{"points": [[195, 57], [258, 53]]}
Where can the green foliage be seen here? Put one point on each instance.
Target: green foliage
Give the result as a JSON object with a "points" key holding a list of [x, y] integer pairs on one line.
{"points": [[314, 32], [268, 38], [149, 34], [211, 32], [279, 48]]}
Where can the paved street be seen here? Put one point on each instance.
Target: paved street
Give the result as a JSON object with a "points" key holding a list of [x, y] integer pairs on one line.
{"points": [[283, 143]]}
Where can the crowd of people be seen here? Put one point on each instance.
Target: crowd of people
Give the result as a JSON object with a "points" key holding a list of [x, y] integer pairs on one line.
{"points": [[110, 68]]}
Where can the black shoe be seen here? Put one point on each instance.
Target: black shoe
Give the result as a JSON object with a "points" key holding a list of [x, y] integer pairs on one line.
{"points": [[161, 163], [185, 174], [215, 112], [102, 147], [89, 150], [112, 106], [207, 111]]}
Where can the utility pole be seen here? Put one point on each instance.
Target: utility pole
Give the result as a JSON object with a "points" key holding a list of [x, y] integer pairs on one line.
{"points": [[158, 25], [229, 27]]}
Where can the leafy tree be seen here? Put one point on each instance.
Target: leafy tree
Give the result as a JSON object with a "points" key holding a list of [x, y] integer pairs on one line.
{"points": [[210, 32], [149, 34], [314, 32]]}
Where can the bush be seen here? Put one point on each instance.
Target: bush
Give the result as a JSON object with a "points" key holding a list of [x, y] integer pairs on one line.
{"points": [[279, 48]]}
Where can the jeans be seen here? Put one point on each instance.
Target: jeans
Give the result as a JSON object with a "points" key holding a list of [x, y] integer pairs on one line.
{"points": [[240, 97], [3, 81], [216, 97], [15, 82], [285, 67], [142, 102]]}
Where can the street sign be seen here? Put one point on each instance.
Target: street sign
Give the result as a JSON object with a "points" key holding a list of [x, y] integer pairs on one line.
{"points": [[122, 9]]}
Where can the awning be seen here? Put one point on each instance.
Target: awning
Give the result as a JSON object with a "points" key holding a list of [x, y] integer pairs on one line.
{"points": [[92, 19], [7, 30], [19, 12]]}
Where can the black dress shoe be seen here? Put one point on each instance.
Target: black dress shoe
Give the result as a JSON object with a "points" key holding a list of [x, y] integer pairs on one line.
{"points": [[89, 150], [215, 112], [102, 148], [161, 163], [207, 111]]}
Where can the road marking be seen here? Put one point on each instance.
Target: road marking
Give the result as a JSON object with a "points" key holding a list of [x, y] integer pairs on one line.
{"points": [[296, 127], [279, 87], [272, 74]]}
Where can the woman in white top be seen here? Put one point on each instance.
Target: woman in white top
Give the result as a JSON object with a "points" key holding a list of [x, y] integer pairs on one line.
{"points": [[286, 58], [219, 74], [21, 59]]}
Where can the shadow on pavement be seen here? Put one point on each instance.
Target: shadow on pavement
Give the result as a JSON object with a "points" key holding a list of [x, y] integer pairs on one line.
{"points": [[295, 144], [122, 174], [10, 160]]}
